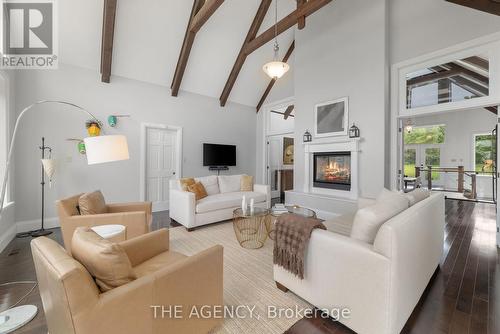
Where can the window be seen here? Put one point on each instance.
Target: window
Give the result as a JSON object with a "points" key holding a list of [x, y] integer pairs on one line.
{"points": [[425, 135], [484, 153], [458, 80]]}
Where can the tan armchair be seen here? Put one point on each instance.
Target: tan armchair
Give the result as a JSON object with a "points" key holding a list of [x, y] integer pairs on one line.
{"points": [[136, 217], [73, 303]]}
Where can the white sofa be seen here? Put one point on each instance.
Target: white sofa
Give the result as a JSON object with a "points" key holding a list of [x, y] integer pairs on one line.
{"points": [[224, 196], [379, 283]]}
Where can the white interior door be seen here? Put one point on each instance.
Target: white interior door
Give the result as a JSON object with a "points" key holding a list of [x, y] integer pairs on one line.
{"points": [[161, 164]]}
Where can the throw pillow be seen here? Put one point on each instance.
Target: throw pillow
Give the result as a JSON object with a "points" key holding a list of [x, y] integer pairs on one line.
{"points": [[107, 262], [92, 203], [229, 183], [368, 220], [199, 190], [246, 183], [186, 182], [417, 195], [211, 184]]}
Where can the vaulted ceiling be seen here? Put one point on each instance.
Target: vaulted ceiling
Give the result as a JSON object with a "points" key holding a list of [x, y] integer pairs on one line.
{"points": [[149, 35]]}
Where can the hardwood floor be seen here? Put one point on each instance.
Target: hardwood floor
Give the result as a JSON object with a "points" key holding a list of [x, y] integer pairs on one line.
{"points": [[463, 297]]}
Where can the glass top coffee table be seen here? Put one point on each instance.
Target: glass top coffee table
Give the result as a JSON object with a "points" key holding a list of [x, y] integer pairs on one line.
{"points": [[293, 209], [250, 227]]}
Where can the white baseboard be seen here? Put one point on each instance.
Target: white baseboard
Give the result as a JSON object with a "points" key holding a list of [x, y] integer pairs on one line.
{"points": [[30, 225], [7, 237]]}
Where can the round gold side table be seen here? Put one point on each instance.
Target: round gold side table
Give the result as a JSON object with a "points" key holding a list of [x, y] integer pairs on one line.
{"points": [[251, 228]]}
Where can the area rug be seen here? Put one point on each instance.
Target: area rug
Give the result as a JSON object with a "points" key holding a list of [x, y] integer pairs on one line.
{"points": [[248, 279]]}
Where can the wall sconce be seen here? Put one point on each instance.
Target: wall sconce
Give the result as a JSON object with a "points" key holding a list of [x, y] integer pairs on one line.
{"points": [[354, 131], [408, 126], [307, 137], [113, 119]]}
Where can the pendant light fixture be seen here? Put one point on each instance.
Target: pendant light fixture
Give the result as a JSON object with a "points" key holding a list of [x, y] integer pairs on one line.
{"points": [[276, 68]]}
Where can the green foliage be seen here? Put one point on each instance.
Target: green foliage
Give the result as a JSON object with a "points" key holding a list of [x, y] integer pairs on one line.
{"points": [[484, 146], [425, 135]]}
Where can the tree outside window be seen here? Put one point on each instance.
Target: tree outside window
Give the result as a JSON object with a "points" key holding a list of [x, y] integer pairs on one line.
{"points": [[484, 148]]}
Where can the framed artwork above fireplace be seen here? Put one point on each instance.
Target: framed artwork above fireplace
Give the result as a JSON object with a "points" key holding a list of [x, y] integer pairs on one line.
{"points": [[331, 118]]}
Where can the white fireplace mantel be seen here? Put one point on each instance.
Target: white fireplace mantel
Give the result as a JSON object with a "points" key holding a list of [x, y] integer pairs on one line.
{"points": [[332, 145]]}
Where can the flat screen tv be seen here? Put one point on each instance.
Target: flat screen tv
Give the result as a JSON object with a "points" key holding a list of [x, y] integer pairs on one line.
{"points": [[215, 155]]}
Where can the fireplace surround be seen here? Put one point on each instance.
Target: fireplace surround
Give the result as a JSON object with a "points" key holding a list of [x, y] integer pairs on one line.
{"points": [[332, 170]]}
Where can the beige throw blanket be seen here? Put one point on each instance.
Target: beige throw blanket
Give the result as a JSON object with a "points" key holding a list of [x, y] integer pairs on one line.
{"points": [[292, 237]]}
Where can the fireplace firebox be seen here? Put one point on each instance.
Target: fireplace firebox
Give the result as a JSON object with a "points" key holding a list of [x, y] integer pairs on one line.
{"points": [[332, 170]]}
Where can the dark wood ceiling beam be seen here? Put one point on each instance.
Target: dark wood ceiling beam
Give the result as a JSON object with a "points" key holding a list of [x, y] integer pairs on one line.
{"points": [[488, 6], [286, 23], [467, 72], [424, 79], [288, 111], [200, 13], [301, 24], [492, 109], [208, 9], [242, 56], [273, 81], [108, 32], [479, 62]]}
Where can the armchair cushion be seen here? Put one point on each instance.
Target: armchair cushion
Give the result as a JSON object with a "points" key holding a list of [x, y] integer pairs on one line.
{"points": [[107, 262], [417, 195], [92, 203], [157, 262]]}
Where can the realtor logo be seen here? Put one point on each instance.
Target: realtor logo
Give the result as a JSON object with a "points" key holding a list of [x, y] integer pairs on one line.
{"points": [[28, 34]]}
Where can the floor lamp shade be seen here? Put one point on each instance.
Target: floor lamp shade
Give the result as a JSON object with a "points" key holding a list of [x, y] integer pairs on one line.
{"points": [[104, 149]]}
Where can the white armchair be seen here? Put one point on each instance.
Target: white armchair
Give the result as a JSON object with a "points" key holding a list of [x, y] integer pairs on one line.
{"points": [[216, 207]]}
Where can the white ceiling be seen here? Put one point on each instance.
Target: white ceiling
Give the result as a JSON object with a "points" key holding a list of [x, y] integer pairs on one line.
{"points": [[149, 35]]}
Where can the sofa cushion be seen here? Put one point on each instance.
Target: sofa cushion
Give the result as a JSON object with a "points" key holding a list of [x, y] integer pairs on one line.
{"points": [[186, 182], [246, 183], [368, 220], [417, 195], [106, 261], [227, 200], [157, 262], [198, 190], [92, 203], [211, 184], [229, 183], [341, 224]]}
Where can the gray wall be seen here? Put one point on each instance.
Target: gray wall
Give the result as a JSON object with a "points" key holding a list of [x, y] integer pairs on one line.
{"points": [[420, 27], [342, 52], [201, 118]]}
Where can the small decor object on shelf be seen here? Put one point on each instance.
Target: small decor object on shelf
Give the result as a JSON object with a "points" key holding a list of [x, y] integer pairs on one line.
{"points": [[93, 128], [81, 147], [354, 131], [307, 137]]}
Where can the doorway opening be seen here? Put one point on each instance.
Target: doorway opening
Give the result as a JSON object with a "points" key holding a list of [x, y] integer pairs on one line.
{"points": [[279, 151], [161, 162]]}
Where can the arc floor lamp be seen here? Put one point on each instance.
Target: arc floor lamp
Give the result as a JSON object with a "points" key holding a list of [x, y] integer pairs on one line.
{"points": [[100, 149]]}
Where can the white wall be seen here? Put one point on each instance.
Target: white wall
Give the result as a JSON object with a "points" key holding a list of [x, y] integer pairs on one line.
{"points": [[342, 52], [423, 26], [201, 118], [7, 220]]}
